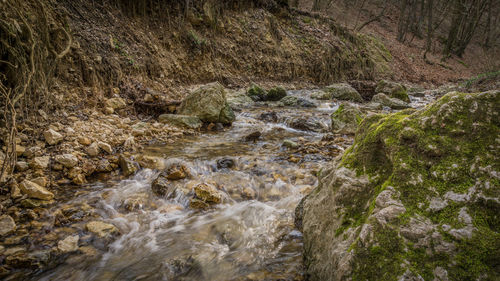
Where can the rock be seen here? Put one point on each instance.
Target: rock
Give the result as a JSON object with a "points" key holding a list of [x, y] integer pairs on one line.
{"points": [[191, 122], [128, 166], [209, 104], [343, 91], [40, 163], [7, 225], [389, 102], [102, 229], [115, 103], [321, 95], [106, 147], [290, 144], [67, 160], [93, 149], [15, 192], [270, 116], [238, 99], [345, 119], [225, 163], [382, 207], [253, 136], [306, 124], [41, 181], [393, 90], [84, 141], [275, 94], [162, 187], [52, 137], [69, 244], [256, 93], [207, 193], [297, 102], [365, 88], [21, 166], [35, 191], [176, 171], [20, 150]]}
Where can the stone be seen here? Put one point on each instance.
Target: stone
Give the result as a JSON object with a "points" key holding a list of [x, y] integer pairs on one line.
{"points": [[52, 137], [116, 103], [162, 187], [345, 119], [84, 141], [67, 160], [321, 95], [343, 91], [270, 116], [253, 136], [41, 181], [275, 94], [290, 144], [105, 146], [69, 244], [191, 122], [297, 102], [7, 225], [35, 191], [306, 124], [128, 166], [238, 99], [176, 171], [20, 150], [15, 192], [225, 163], [256, 93], [40, 163], [209, 104], [102, 229], [93, 149], [393, 90], [207, 193], [389, 102], [387, 200], [21, 166]]}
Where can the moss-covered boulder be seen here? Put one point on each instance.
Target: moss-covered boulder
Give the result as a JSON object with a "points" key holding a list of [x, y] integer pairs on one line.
{"points": [[342, 91], [416, 197], [393, 103], [256, 93], [345, 119], [209, 104], [275, 94], [393, 90], [238, 99], [297, 102]]}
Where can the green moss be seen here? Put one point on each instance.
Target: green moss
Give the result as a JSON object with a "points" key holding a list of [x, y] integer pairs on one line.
{"points": [[275, 94], [256, 93]]}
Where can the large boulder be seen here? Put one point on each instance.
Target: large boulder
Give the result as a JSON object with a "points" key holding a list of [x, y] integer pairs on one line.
{"points": [[275, 94], [345, 119], [393, 90], [416, 197], [342, 91], [186, 121], [238, 99], [209, 104]]}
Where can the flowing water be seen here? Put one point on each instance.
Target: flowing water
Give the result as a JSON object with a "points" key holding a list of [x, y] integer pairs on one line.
{"points": [[249, 236]]}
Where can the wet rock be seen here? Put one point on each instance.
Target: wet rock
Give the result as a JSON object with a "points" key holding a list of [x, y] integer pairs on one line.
{"points": [[101, 229], [306, 124], [238, 99], [104, 166], [275, 94], [115, 103], [196, 203], [343, 91], [136, 202], [270, 116], [69, 244], [256, 93], [393, 90], [161, 186], [191, 122], [176, 171], [321, 95], [389, 102], [35, 191], [209, 104], [290, 144], [52, 137], [348, 228], [128, 166], [7, 225], [225, 163], [297, 102], [207, 193], [253, 136], [67, 160], [345, 119]]}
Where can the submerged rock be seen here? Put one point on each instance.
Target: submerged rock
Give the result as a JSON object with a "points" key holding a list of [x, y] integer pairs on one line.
{"points": [[393, 90], [342, 91], [374, 214], [345, 119], [209, 104], [253, 136], [69, 244], [270, 116]]}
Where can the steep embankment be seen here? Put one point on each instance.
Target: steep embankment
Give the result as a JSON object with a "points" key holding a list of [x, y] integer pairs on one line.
{"points": [[416, 196]]}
